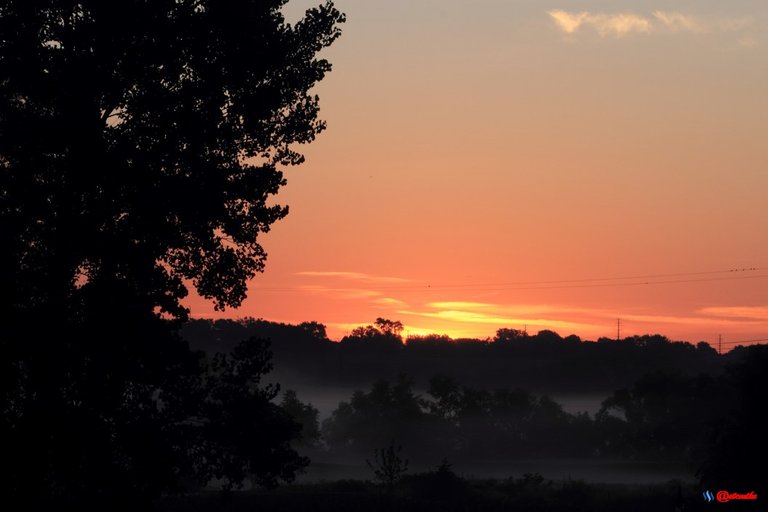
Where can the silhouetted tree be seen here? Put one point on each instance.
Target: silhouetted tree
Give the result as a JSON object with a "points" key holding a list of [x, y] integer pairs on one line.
{"points": [[371, 419], [139, 144], [365, 332], [305, 415], [737, 447], [663, 414], [389, 327], [314, 329], [505, 335], [429, 340], [388, 466], [381, 338]]}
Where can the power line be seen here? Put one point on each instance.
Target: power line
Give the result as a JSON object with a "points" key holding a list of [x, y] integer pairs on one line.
{"points": [[593, 279], [744, 341], [544, 285]]}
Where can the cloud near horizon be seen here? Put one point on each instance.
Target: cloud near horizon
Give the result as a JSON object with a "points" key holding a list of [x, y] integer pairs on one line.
{"points": [[498, 317]]}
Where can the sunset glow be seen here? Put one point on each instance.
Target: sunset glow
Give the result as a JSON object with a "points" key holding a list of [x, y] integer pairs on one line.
{"points": [[510, 164]]}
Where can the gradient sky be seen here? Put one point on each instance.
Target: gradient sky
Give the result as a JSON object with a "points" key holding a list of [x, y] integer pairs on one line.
{"points": [[510, 163]]}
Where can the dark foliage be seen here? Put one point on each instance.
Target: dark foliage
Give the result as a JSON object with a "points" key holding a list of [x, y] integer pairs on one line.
{"points": [[738, 450], [305, 415], [462, 422], [439, 486], [139, 144], [712, 424], [371, 420]]}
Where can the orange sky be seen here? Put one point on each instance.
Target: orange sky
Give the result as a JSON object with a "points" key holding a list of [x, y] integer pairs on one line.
{"points": [[485, 160]]}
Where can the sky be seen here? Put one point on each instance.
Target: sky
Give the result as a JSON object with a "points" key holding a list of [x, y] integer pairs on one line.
{"points": [[531, 165]]}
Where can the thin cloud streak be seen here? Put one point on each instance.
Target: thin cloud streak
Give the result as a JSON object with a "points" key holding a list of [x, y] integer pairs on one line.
{"points": [[357, 276], [487, 306], [341, 293], [676, 320], [752, 313], [389, 301]]}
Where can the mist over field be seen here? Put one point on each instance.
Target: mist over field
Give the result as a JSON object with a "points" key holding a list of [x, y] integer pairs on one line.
{"points": [[630, 411]]}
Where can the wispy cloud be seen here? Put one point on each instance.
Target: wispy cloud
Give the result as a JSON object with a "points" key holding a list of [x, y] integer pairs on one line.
{"points": [[624, 23], [735, 24], [462, 305], [340, 293], [678, 22], [759, 313], [567, 21], [606, 24], [670, 319], [457, 315], [357, 276], [389, 301], [499, 309]]}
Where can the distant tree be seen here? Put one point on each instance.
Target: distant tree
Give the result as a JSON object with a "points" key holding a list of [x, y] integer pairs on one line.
{"points": [[548, 336], [365, 332], [663, 414], [505, 335], [429, 340], [648, 340], [389, 327], [705, 348], [380, 328], [572, 338], [314, 329], [388, 466], [447, 397], [369, 419], [305, 415], [383, 335], [140, 143]]}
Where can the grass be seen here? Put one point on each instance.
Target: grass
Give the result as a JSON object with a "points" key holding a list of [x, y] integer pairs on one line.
{"points": [[434, 492]]}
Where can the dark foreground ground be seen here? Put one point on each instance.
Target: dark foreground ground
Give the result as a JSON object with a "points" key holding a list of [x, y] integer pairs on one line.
{"points": [[431, 492]]}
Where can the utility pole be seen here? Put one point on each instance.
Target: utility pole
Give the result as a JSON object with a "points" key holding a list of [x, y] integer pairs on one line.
{"points": [[618, 329], [720, 344]]}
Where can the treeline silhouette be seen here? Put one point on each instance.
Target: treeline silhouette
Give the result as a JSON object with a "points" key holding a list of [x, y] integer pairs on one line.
{"points": [[544, 362]]}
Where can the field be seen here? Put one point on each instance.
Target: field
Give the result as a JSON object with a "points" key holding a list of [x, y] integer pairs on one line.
{"points": [[430, 492]]}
